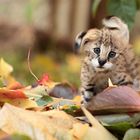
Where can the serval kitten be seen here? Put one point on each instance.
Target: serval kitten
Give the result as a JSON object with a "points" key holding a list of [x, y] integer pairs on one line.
{"points": [[106, 54]]}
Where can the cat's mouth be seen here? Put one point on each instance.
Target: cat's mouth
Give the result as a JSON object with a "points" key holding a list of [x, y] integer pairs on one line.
{"points": [[100, 68]]}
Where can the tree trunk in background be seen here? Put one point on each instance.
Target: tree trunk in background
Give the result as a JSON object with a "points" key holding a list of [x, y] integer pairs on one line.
{"points": [[62, 19], [100, 14], [81, 16], [70, 17]]}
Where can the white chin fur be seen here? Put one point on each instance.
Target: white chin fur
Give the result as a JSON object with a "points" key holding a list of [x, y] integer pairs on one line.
{"points": [[106, 66]]}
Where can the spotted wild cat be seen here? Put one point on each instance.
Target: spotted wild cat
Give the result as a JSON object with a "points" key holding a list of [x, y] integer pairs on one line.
{"points": [[106, 54]]}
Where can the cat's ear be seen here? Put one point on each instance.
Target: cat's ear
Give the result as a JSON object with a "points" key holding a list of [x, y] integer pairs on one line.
{"points": [[78, 40], [116, 25]]}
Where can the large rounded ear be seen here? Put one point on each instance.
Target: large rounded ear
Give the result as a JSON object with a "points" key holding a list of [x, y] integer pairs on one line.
{"points": [[78, 40], [116, 25]]}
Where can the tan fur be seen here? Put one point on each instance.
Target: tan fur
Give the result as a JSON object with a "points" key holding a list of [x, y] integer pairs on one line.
{"points": [[123, 69]]}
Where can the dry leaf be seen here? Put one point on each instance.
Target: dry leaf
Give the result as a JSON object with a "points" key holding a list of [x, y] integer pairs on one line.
{"points": [[11, 94], [115, 100], [99, 131], [51, 125], [15, 85], [5, 68], [37, 126], [63, 90], [45, 80], [23, 103], [3, 135], [110, 84]]}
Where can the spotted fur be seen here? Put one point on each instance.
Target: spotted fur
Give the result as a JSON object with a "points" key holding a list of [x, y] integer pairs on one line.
{"points": [[107, 54]]}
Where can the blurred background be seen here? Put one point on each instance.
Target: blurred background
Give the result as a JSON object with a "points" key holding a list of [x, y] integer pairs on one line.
{"points": [[49, 27]]}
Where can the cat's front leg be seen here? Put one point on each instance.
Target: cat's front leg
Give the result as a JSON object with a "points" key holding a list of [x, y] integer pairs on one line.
{"points": [[87, 92], [122, 78]]}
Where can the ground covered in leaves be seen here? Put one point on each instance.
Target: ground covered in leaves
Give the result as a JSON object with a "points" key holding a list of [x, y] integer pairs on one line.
{"points": [[48, 110]]}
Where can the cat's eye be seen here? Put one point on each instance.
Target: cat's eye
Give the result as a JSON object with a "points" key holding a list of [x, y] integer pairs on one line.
{"points": [[97, 50], [112, 54]]}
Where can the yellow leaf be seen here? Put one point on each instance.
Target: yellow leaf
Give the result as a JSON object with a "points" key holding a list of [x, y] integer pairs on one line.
{"points": [[5, 68], [110, 84], [9, 80], [97, 131], [77, 99], [83, 130], [50, 125], [35, 125], [3, 134], [51, 84], [23, 103]]}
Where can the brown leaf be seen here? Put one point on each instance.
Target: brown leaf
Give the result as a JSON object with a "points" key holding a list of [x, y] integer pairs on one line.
{"points": [[115, 100], [63, 90]]}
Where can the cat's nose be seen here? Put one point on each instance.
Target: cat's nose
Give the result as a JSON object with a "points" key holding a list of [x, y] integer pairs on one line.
{"points": [[101, 62]]}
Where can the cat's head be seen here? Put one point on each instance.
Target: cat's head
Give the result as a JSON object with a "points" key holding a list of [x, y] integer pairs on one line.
{"points": [[103, 46]]}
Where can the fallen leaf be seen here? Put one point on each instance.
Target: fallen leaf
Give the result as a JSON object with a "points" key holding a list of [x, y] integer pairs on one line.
{"points": [[36, 92], [5, 68], [52, 125], [132, 134], [11, 94], [45, 80], [110, 84], [63, 90], [3, 134], [97, 128], [19, 137], [23, 103], [115, 100], [15, 85], [13, 119], [71, 109], [119, 123], [44, 100]]}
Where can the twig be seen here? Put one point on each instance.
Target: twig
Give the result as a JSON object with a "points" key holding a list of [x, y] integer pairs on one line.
{"points": [[29, 66]]}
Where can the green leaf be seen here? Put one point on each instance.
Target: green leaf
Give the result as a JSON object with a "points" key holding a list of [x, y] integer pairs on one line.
{"points": [[95, 6], [132, 134], [119, 128], [1, 83], [125, 9], [71, 109], [44, 100], [36, 92], [118, 124], [117, 118], [19, 137]]}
